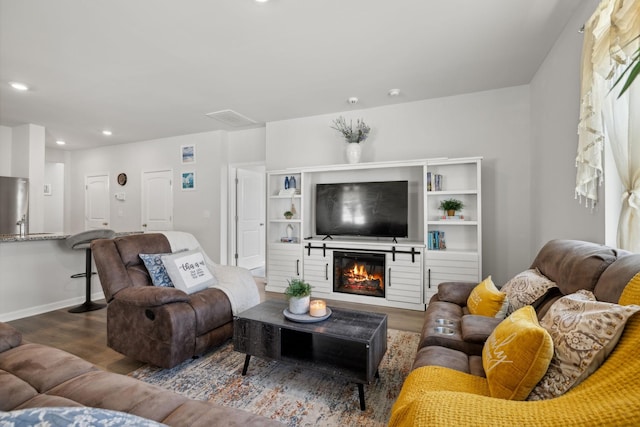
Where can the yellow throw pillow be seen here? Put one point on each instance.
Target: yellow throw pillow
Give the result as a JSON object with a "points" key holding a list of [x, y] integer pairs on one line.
{"points": [[516, 355], [487, 300]]}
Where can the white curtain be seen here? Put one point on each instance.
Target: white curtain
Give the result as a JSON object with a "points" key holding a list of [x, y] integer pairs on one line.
{"points": [[605, 118]]}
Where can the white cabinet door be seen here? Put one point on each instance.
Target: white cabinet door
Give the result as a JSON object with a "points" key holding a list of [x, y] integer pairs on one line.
{"points": [[318, 271], [450, 267], [284, 262], [404, 276]]}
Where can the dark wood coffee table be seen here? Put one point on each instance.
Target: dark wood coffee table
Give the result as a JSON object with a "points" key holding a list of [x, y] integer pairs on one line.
{"points": [[349, 344]]}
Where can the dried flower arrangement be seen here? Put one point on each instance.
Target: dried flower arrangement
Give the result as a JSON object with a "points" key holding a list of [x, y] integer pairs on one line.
{"points": [[352, 134]]}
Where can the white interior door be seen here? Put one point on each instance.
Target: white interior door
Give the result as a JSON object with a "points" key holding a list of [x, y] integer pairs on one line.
{"points": [[157, 200], [96, 202], [250, 218]]}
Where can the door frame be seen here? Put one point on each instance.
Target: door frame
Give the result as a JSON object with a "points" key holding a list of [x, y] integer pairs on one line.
{"points": [[232, 229]]}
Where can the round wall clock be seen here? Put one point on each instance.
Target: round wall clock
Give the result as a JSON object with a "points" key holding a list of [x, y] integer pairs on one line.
{"points": [[122, 178]]}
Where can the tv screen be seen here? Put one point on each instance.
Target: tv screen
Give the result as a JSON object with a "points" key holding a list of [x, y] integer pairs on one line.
{"points": [[378, 209]]}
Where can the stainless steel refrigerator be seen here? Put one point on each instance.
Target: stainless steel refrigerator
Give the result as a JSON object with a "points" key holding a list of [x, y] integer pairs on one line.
{"points": [[14, 205]]}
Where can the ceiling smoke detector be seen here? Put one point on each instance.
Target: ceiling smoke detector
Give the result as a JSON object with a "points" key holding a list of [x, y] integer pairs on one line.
{"points": [[353, 100], [231, 118]]}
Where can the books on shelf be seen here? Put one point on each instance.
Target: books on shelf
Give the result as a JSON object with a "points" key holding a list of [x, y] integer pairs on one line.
{"points": [[289, 192], [436, 241], [434, 182]]}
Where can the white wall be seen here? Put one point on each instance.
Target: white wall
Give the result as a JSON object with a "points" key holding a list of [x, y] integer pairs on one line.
{"points": [[5, 150], [54, 204], [247, 146], [555, 102], [492, 124]]}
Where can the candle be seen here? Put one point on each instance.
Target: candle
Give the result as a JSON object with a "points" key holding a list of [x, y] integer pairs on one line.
{"points": [[318, 308]]}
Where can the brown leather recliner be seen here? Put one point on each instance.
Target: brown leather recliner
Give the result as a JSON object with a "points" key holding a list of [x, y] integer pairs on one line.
{"points": [[159, 325]]}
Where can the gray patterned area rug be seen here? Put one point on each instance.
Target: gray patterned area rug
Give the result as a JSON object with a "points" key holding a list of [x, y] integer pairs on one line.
{"points": [[292, 395]]}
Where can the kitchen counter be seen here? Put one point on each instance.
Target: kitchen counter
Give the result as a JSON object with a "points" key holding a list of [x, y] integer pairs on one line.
{"points": [[4, 238], [32, 237]]}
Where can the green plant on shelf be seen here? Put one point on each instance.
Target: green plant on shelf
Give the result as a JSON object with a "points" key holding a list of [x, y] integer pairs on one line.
{"points": [[451, 206]]}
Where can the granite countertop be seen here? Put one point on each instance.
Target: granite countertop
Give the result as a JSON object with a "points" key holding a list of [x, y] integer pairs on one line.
{"points": [[30, 237]]}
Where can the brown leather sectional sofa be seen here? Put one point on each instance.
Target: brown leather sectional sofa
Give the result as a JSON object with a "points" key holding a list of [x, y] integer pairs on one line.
{"points": [[572, 264], [36, 376]]}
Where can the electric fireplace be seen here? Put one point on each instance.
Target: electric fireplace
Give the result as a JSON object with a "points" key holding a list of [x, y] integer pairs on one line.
{"points": [[359, 273]]}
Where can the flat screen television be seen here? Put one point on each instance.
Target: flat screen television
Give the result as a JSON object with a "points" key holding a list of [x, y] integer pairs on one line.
{"points": [[374, 209]]}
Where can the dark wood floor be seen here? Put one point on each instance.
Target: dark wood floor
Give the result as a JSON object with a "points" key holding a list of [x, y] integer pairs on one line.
{"points": [[85, 334]]}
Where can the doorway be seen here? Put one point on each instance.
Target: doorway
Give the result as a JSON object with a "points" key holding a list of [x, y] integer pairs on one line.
{"points": [[97, 211], [157, 200], [247, 238]]}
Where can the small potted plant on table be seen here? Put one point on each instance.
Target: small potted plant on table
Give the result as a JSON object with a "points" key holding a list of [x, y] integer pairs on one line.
{"points": [[450, 206], [299, 295]]}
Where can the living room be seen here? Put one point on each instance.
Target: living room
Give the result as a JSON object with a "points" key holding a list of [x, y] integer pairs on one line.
{"points": [[525, 132]]}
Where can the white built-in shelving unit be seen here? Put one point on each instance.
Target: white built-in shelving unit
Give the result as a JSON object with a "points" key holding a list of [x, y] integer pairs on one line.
{"points": [[413, 271]]}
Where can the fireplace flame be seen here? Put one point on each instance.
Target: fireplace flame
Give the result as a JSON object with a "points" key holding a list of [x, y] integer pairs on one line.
{"points": [[358, 274]]}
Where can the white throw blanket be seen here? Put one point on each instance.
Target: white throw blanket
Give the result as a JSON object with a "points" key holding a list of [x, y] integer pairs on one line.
{"points": [[236, 282]]}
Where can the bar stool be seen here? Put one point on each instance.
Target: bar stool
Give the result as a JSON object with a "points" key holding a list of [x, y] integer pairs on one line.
{"points": [[83, 241]]}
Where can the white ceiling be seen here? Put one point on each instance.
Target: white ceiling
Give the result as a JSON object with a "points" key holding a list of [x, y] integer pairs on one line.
{"points": [[153, 68]]}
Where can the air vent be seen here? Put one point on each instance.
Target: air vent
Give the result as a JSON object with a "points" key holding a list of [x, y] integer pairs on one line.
{"points": [[231, 118]]}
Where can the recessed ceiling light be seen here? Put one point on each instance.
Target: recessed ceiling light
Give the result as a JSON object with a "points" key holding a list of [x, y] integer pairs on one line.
{"points": [[261, 1], [394, 92], [19, 86], [60, 142], [107, 132]]}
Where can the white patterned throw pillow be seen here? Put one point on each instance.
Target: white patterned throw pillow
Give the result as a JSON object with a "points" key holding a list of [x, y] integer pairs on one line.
{"points": [[188, 271], [526, 288], [584, 332]]}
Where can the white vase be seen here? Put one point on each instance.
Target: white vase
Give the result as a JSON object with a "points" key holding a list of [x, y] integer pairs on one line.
{"points": [[299, 305], [353, 152]]}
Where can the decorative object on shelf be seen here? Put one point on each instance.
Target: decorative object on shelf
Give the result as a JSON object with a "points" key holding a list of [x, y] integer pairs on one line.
{"points": [[452, 218], [292, 182], [450, 206], [289, 231], [318, 308], [353, 152], [288, 214], [287, 184], [353, 135], [299, 295]]}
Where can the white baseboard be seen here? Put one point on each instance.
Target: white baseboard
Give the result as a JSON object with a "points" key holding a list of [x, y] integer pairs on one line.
{"points": [[33, 311]]}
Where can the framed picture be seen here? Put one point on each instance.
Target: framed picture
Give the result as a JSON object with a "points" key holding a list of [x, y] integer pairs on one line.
{"points": [[188, 154], [188, 181], [47, 189]]}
